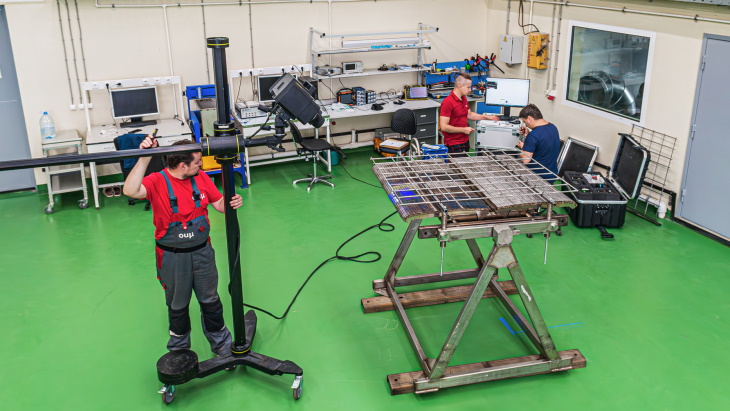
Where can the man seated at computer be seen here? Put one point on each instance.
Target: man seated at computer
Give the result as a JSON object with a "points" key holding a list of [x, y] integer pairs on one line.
{"points": [[453, 116], [542, 144]]}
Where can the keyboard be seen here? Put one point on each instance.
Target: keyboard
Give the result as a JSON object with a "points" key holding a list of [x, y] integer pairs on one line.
{"points": [[136, 124], [507, 118]]}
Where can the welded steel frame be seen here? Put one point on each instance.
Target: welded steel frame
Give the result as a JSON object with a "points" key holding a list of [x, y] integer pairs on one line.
{"points": [[436, 373]]}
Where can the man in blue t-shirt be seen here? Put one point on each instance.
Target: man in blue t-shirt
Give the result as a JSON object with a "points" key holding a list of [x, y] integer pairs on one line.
{"points": [[542, 144]]}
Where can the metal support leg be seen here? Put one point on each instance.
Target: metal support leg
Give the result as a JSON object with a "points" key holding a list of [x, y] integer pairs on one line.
{"points": [[409, 330], [94, 184], [462, 321], [518, 316], [400, 254], [533, 311], [475, 252]]}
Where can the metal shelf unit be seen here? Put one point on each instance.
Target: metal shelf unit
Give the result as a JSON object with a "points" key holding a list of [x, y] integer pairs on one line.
{"points": [[418, 45], [66, 178], [375, 72]]}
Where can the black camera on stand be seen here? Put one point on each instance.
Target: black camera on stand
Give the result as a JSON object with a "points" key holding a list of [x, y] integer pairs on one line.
{"points": [[292, 101]]}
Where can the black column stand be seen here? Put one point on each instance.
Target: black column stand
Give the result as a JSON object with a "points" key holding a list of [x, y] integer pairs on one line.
{"points": [[178, 367]]}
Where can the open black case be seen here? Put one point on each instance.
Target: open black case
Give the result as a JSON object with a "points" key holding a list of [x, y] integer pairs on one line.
{"points": [[602, 200]]}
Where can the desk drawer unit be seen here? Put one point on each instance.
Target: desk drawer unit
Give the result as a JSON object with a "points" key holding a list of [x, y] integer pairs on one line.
{"points": [[425, 116], [427, 125], [425, 130]]}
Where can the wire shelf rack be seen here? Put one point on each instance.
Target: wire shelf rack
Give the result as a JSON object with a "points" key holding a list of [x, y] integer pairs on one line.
{"points": [[653, 200], [487, 185]]}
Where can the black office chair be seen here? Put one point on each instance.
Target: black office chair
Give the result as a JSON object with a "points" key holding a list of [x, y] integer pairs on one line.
{"points": [[312, 147], [403, 122], [132, 141]]}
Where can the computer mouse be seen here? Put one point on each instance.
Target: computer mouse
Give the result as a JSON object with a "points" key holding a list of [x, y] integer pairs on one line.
{"points": [[399, 102], [376, 107]]}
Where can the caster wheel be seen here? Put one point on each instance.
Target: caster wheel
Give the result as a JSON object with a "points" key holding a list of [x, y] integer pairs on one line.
{"points": [[297, 387], [528, 235], [49, 210], [559, 233], [83, 204], [169, 394]]}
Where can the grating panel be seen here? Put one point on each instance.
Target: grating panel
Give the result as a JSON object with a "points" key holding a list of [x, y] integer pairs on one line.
{"points": [[483, 185]]}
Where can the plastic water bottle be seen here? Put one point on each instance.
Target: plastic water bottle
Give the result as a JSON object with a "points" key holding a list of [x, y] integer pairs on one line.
{"points": [[48, 128]]}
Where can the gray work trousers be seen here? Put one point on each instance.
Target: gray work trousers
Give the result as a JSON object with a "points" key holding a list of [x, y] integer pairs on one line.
{"points": [[183, 273]]}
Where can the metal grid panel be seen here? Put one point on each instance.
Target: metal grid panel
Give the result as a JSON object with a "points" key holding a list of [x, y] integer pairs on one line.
{"points": [[654, 191], [485, 184]]}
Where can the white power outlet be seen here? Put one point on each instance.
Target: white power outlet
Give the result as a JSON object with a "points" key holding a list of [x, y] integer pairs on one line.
{"points": [[72, 106], [145, 81], [157, 80], [168, 80], [95, 85]]}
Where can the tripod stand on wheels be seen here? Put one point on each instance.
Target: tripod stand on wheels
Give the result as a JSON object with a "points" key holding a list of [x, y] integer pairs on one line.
{"points": [[178, 367], [292, 102]]}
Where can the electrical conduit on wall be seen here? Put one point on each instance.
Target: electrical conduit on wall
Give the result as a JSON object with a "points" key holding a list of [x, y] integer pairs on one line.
{"points": [[164, 7], [554, 57]]}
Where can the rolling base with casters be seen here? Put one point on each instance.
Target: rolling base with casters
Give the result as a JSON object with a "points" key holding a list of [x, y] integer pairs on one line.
{"points": [[314, 178], [180, 366]]}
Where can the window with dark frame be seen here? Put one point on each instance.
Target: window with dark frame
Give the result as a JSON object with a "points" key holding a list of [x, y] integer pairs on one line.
{"points": [[608, 70]]}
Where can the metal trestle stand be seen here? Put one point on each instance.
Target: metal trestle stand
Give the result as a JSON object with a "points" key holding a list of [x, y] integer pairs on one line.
{"points": [[475, 197]]}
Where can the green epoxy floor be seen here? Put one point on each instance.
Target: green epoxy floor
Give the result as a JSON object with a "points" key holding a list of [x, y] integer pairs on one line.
{"points": [[83, 318]]}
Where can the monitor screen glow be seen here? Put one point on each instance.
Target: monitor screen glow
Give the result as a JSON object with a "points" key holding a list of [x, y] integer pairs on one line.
{"points": [[507, 92]]}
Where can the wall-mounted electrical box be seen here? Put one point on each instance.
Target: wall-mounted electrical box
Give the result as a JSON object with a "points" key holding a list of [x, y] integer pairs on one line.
{"points": [[537, 50], [510, 49]]}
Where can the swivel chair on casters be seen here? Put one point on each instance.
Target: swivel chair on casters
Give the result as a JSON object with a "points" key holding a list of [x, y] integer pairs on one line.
{"points": [[403, 122], [312, 147]]}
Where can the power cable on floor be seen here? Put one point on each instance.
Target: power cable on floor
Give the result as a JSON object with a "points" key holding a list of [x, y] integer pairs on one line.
{"points": [[360, 258], [357, 179]]}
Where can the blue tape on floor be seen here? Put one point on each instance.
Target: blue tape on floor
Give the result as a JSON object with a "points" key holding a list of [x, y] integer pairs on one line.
{"points": [[507, 325]]}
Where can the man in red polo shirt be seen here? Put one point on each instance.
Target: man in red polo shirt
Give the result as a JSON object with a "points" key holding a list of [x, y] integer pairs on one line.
{"points": [[454, 113]]}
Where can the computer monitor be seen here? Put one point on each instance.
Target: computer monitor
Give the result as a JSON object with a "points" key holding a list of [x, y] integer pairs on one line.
{"points": [[134, 102], [265, 83], [507, 92]]}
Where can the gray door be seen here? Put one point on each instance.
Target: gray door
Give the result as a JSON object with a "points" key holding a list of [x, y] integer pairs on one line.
{"points": [[705, 193], [13, 136]]}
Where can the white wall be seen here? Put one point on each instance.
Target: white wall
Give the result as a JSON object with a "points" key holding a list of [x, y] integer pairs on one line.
{"points": [[280, 36], [673, 75]]}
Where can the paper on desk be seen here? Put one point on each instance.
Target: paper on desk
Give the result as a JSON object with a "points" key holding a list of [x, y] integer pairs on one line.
{"points": [[393, 144]]}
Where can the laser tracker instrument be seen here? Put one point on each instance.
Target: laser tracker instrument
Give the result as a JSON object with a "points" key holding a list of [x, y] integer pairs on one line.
{"points": [[291, 102]]}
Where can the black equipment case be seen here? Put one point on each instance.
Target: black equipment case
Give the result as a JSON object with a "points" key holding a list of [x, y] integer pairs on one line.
{"points": [[602, 200]]}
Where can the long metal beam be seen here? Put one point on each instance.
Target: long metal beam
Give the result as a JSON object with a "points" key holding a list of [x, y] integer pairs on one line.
{"points": [[223, 144], [97, 157]]}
